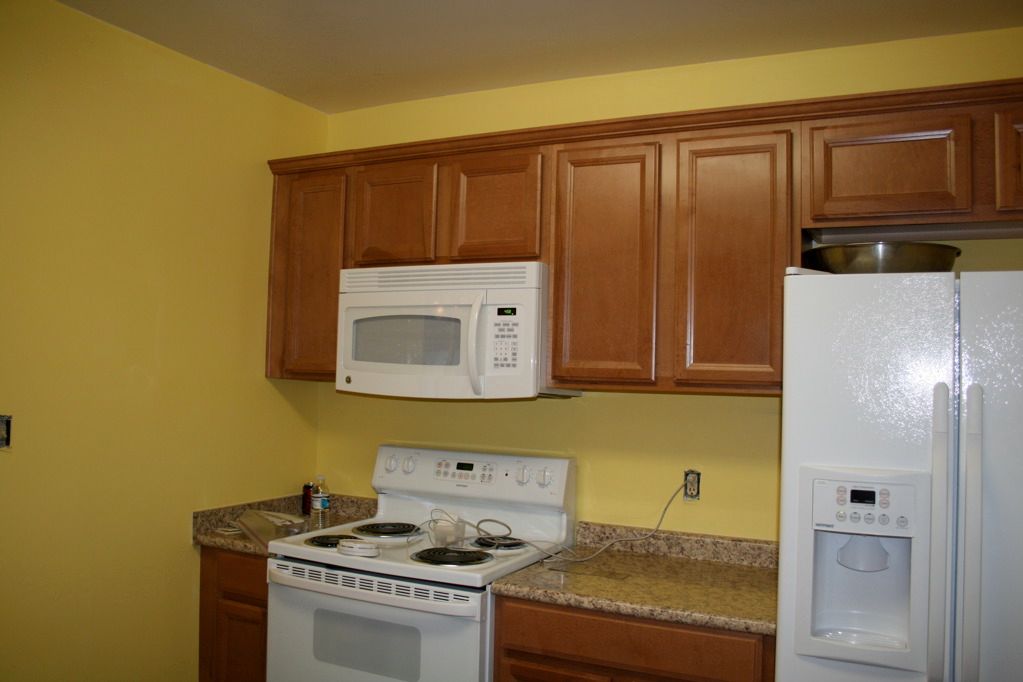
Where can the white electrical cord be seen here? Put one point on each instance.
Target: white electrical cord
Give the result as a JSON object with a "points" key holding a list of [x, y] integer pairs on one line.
{"points": [[440, 518], [572, 559]]}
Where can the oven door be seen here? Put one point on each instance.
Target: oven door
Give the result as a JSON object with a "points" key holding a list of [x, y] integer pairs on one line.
{"points": [[318, 632]]}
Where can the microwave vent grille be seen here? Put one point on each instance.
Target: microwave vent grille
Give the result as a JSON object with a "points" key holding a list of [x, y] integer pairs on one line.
{"points": [[526, 275]]}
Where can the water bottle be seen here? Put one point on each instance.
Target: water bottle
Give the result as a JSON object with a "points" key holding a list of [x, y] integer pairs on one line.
{"points": [[320, 503]]}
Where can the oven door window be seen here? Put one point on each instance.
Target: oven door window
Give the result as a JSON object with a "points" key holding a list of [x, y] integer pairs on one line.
{"points": [[362, 640], [408, 340]]}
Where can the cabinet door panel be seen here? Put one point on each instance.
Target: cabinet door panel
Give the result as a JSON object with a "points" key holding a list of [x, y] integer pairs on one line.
{"points": [[494, 207], [304, 272], [1009, 159], [241, 643], [734, 221], [888, 165], [605, 263], [395, 214]]}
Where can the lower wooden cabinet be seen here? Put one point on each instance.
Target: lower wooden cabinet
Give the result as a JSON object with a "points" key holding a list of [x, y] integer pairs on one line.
{"points": [[232, 616], [544, 643]]}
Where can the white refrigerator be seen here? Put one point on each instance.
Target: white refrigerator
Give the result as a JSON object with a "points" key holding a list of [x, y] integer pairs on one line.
{"points": [[901, 533]]}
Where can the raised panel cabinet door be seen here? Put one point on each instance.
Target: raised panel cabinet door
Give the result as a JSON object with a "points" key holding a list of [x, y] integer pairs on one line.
{"points": [[232, 615], [1009, 159], [733, 227], [395, 214], [492, 205], [305, 262], [887, 165], [241, 643], [604, 263]]}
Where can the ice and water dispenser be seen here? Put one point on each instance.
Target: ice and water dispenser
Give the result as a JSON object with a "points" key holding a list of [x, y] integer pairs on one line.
{"points": [[863, 556]]}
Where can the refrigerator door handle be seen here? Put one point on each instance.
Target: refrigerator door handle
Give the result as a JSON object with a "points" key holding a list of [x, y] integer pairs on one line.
{"points": [[968, 631], [940, 448]]}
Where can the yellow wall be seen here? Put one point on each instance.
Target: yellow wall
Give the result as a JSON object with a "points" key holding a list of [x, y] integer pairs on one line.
{"points": [[134, 206], [924, 62], [134, 241], [632, 449]]}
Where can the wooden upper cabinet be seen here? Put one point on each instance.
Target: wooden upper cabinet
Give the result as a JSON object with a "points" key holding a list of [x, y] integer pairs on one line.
{"points": [[733, 220], [604, 262], [305, 261], [490, 206], [394, 217], [1009, 159], [886, 166], [473, 207]]}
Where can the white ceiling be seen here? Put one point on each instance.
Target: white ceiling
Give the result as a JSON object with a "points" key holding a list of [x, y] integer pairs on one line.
{"points": [[338, 55]]}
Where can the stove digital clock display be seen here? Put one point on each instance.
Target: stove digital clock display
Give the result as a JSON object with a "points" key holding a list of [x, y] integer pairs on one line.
{"points": [[464, 466]]}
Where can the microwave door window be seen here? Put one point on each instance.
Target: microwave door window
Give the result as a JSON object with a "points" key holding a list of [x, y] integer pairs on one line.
{"points": [[431, 340]]}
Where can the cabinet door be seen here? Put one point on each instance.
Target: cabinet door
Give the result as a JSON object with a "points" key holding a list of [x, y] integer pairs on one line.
{"points": [[241, 643], [886, 165], [604, 263], [1009, 159], [733, 225], [490, 207], [232, 616], [305, 261], [395, 214]]}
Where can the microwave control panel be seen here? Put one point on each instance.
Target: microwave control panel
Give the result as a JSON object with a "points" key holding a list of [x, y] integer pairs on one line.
{"points": [[504, 332]]}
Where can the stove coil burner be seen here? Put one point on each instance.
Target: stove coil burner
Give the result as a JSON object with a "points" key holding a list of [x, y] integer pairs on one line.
{"points": [[445, 556], [387, 529], [328, 541], [498, 542]]}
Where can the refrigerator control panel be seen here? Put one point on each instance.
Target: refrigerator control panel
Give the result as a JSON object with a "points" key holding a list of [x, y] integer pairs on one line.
{"points": [[870, 508]]}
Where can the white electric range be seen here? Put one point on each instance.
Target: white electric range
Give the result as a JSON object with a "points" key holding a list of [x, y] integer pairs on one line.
{"points": [[416, 577]]}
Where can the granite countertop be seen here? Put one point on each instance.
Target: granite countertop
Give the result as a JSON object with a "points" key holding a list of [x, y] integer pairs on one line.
{"points": [[209, 525], [703, 580], [675, 577]]}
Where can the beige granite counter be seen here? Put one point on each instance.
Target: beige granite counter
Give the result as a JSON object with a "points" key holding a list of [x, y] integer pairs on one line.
{"points": [[718, 582], [689, 579], [216, 527]]}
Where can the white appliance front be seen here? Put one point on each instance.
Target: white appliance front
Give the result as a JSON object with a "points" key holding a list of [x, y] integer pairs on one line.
{"points": [[877, 370], [442, 331], [989, 614], [318, 637], [869, 366]]}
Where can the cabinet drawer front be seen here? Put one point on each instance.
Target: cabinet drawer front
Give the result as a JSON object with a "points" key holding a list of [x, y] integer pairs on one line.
{"points": [[631, 644], [242, 575], [895, 164]]}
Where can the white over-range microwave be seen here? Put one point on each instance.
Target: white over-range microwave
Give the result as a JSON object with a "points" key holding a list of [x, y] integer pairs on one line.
{"points": [[472, 331]]}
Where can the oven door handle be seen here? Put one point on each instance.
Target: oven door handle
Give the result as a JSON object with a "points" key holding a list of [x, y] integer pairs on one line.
{"points": [[462, 609]]}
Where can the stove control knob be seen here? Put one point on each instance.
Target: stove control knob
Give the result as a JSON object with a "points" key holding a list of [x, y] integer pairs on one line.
{"points": [[409, 465], [391, 465], [522, 474], [544, 477]]}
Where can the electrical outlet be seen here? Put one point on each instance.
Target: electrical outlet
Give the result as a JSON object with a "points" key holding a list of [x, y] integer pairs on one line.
{"points": [[692, 491], [5, 430]]}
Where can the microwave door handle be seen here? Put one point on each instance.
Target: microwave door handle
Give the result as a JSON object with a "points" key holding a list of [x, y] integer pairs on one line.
{"points": [[473, 349]]}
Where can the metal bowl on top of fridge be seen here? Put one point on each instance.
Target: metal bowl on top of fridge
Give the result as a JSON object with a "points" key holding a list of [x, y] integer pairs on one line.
{"points": [[881, 257]]}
